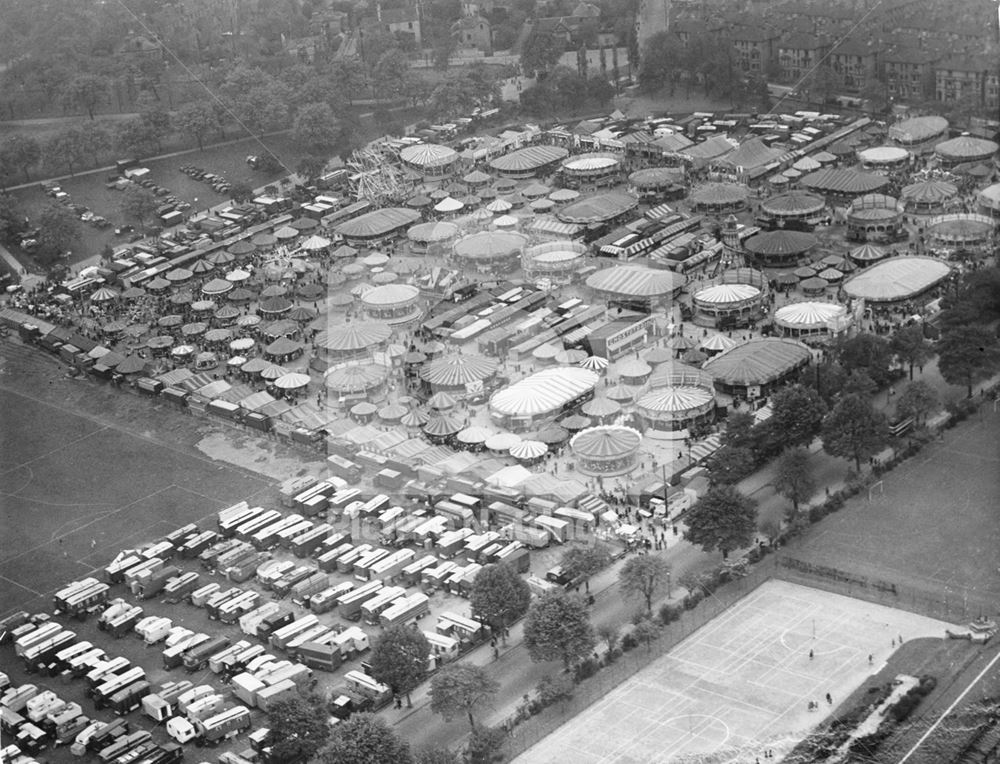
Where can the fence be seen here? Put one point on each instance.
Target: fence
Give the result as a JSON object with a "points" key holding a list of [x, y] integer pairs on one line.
{"points": [[954, 605], [530, 731]]}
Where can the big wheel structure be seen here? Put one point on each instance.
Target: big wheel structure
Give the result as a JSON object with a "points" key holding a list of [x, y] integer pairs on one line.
{"points": [[375, 176]]}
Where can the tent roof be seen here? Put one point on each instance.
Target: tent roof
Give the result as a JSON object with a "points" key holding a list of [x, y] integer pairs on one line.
{"points": [[807, 314], [676, 398], [758, 361], [598, 208], [355, 336], [897, 278], [844, 181], [458, 370], [529, 158], [544, 391], [607, 441], [636, 281], [371, 225], [781, 242]]}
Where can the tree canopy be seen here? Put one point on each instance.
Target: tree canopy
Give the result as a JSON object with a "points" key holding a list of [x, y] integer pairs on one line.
{"points": [[19, 152], [298, 728], [910, 347], [967, 354], [723, 519], [461, 688], [499, 596], [730, 465], [60, 230], [793, 476], [558, 626], [643, 577], [797, 415], [866, 352], [854, 429], [582, 562], [364, 739], [918, 400], [139, 204], [399, 659]]}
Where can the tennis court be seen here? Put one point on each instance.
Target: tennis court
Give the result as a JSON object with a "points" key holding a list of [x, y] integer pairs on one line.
{"points": [[742, 683]]}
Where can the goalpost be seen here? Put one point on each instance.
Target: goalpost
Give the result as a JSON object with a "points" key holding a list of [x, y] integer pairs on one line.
{"points": [[875, 489]]}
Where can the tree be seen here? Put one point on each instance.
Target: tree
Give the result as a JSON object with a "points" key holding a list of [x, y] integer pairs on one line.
{"points": [[460, 688], [155, 117], [798, 413], [389, 73], [646, 631], [558, 626], [821, 85], [967, 354], [348, 76], [135, 137], [662, 62], [582, 562], [60, 229], [793, 476], [730, 465], [484, 745], [443, 51], [600, 90], [644, 576], [310, 166], [739, 427], [723, 519], [197, 119], [241, 192], [499, 596], [138, 204], [918, 400], [436, 756], [541, 52], [828, 379], [19, 152], [853, 429], [65, 148], [299, 728], [316, 130], [85, 91], [866, 352], [399, 659], [363, 739], [11, 217], [909, 346]]}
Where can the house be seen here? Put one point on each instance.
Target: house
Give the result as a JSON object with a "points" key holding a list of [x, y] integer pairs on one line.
{"points": [[402, 21], [855, 62], [474, 32], [756, 47], [909, 72], [968, 78], [798, 54]]}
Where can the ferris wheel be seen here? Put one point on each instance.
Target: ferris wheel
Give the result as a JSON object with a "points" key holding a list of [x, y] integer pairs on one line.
{"points": [[375, 176]]}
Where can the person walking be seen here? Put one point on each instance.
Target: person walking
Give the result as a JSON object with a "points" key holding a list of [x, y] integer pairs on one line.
{"points": [[810, 655]]}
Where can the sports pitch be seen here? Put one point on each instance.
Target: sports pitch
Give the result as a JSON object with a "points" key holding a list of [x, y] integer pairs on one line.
{"points": [[741, 684], [75, 490]]}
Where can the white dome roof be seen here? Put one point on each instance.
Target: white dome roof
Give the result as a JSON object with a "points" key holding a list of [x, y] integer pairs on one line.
{"points": [[803, 314]]}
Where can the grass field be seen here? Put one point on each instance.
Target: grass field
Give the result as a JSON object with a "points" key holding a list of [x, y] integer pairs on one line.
{"points": [[77, 491], [934, 526], [742, 683]]}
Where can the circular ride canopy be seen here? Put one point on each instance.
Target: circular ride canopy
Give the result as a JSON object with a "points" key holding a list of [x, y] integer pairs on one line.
{"points": [[929, 192], [679, 399], [354, 337], [588, 163], [883, 155], [379, 223], [598, 208], [758, 361], [793, 203], [898, 278], [390, 294], [606, 442], [543, 392], [656, 177], [490, 244], [356, 379], [844, 182], [636, 281], [428, 155], [458, 370], [727, 294], [719, 194], [918, 129], [528, 159], [965, 148], [432, 232], [805, 315], [781, 243]]}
